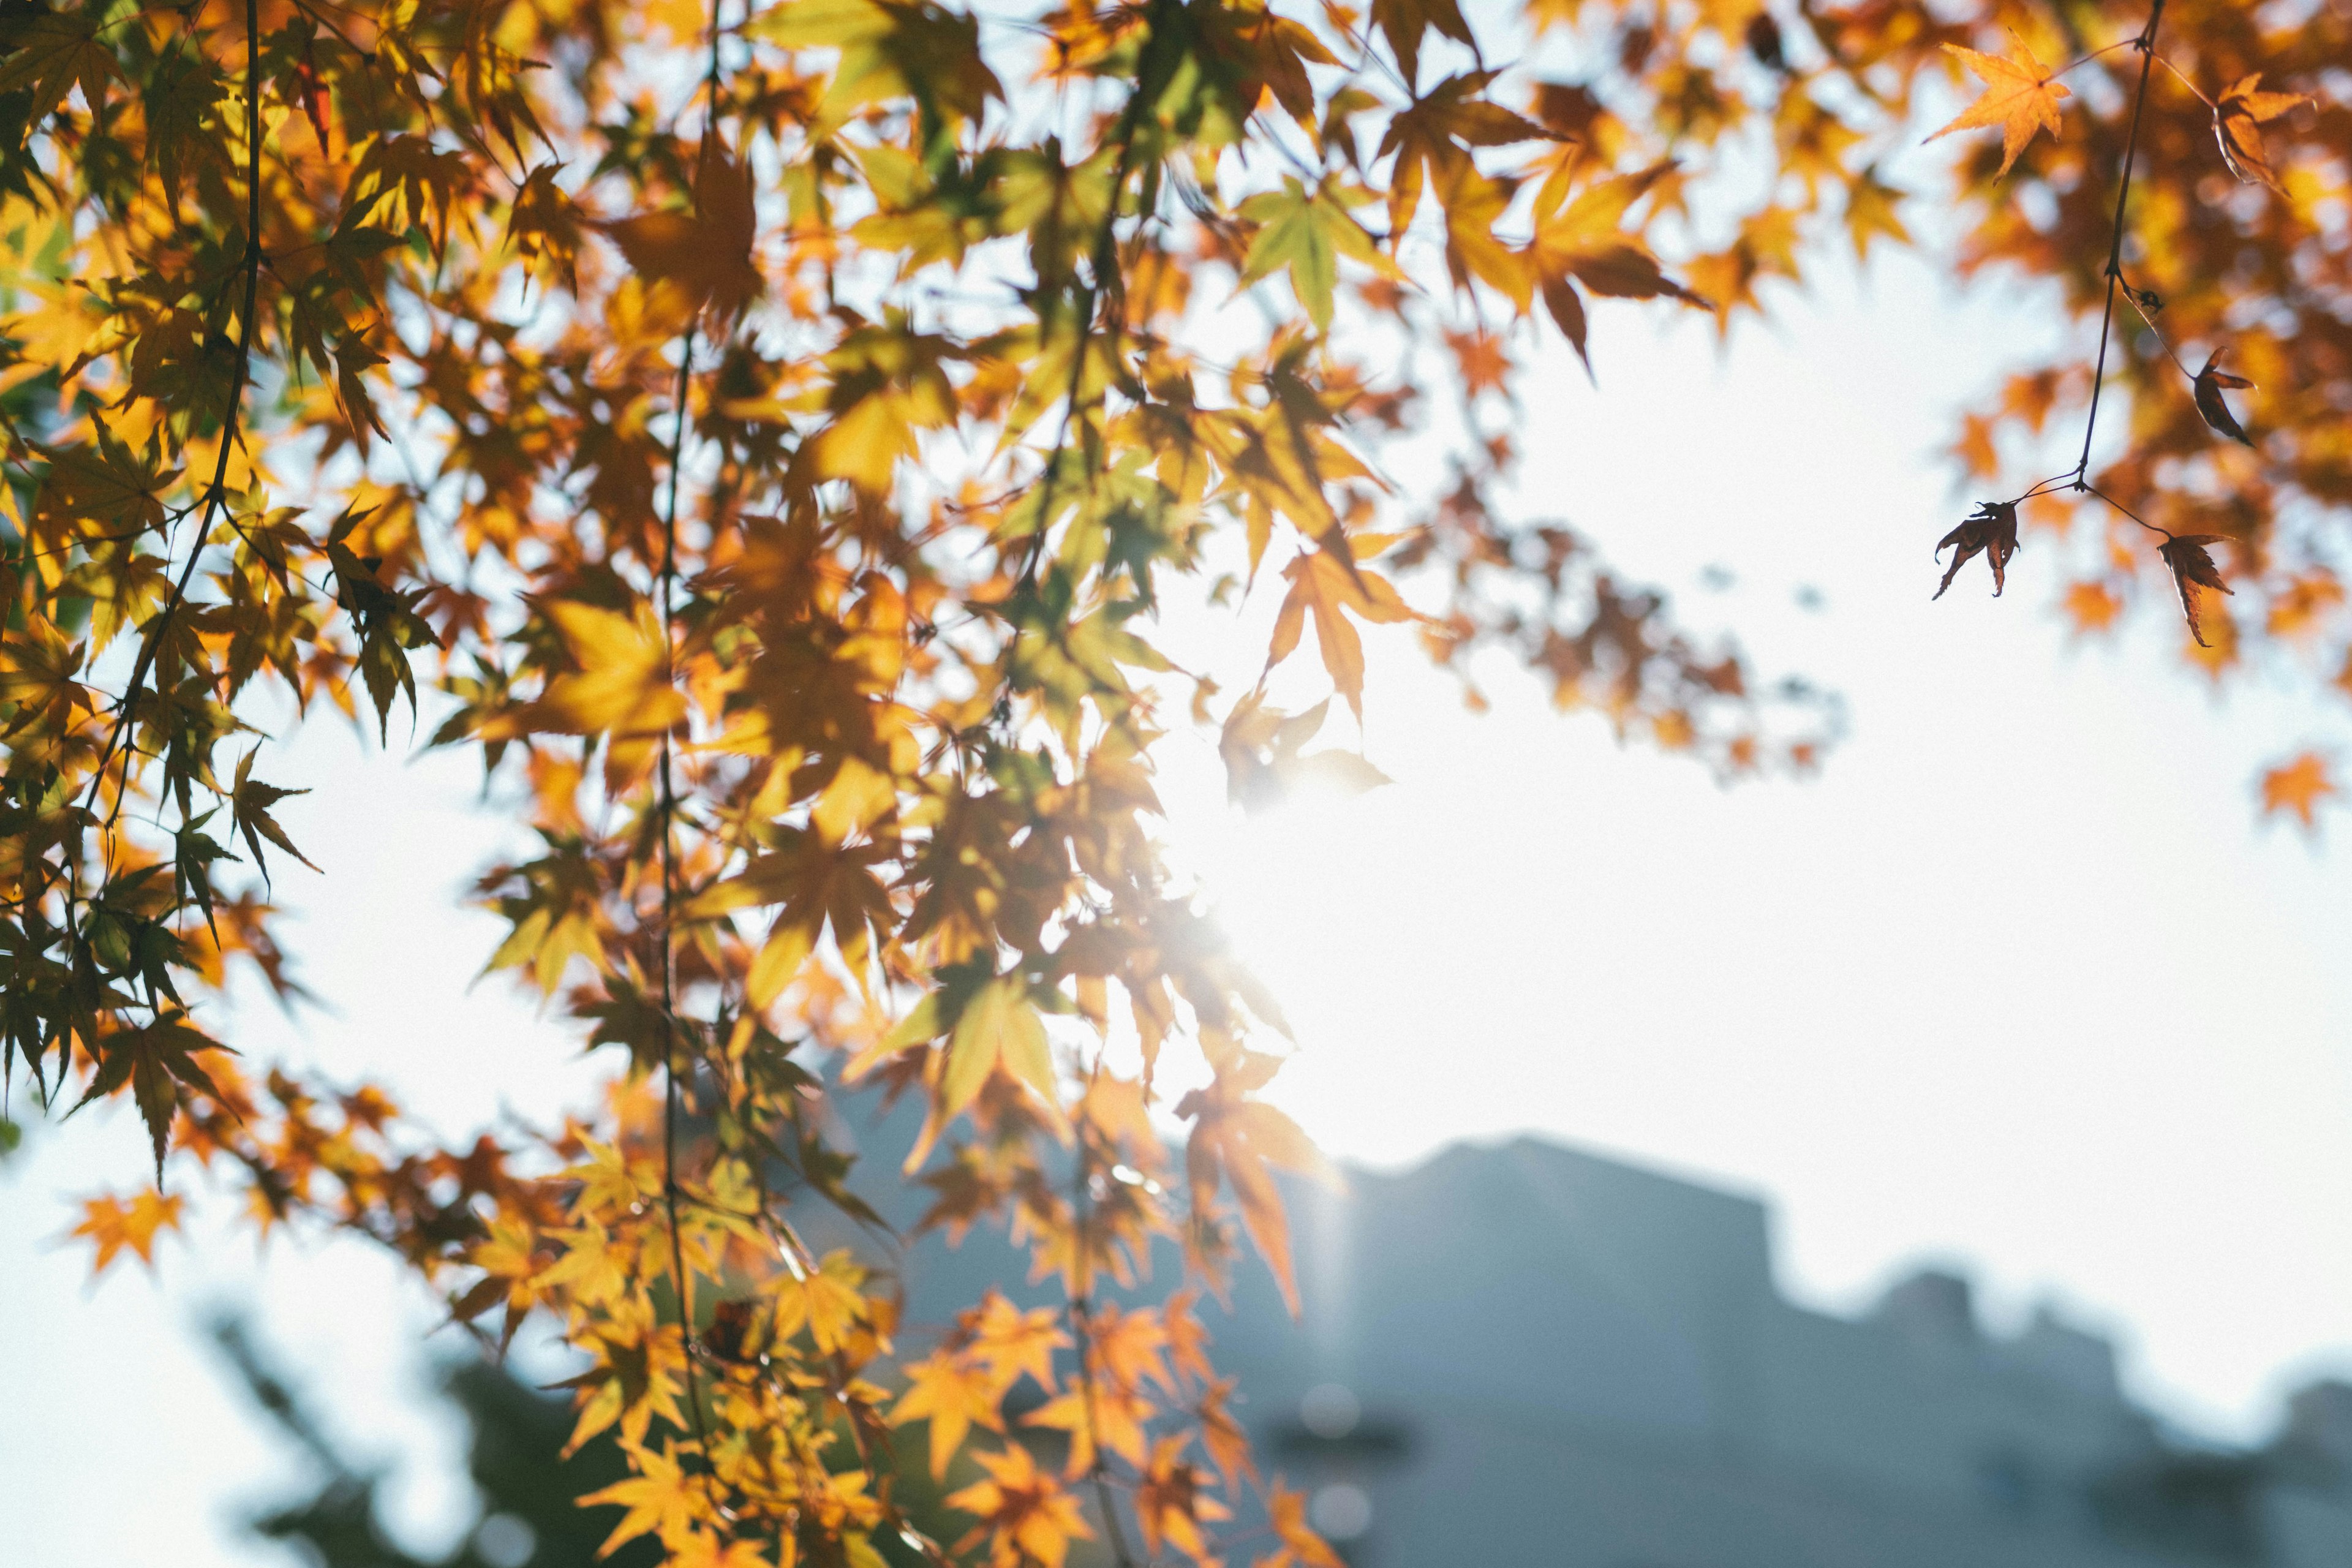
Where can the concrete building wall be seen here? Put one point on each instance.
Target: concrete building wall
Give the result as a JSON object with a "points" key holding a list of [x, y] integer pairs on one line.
{"points": [[1525, 1355]]}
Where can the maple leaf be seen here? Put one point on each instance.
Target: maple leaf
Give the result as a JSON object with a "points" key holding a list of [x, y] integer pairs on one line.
{"points": [[621, 687], [662, 1500], [827, 1303], [1327, 583], [154, 1058], [2092, 606], [706, 253], [1991, 529], [1286, 1516], [542, 221], [887, 50], [1584, 239], [1029, 1515], [112, 1225], [1111, 1419], [1225, 1436], [1404, 22], [2239, 115], [951, 1393], [2019, 97], [1870, 212], [36, 674], [1306, 232], [1265, 765], [2211, 405], [1013, 1343], [701, 1548], [2193, 568], [999, 1028], [2298, 786], [1245, 1141], [1169, 1501], [52, 53], [1128, 1347], [1432, 136], [249, 803]]}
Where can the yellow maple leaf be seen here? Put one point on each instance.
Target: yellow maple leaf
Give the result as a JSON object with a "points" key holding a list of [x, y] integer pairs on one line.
{"points": [[1012, 1341], [622, 686], [952, 1394], [661, 1498], [2019, 97]]}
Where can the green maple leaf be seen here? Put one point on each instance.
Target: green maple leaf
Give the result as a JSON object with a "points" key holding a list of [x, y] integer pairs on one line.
{"points": [[1306, 232]]}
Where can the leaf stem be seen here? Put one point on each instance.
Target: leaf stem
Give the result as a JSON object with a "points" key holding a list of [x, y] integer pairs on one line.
{"points": [[2095, 54], [2184, 81], [2127, 511]]}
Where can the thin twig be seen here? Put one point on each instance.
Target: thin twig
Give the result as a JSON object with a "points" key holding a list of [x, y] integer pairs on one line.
{"points": [[672, 1094], [2086, 60], [2146, 46], [2184, 81], [1082, 1330], [2127, 511], [1103, 261]]}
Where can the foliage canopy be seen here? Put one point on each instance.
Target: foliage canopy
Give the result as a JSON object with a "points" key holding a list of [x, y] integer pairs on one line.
{"points": [[773, 430]]}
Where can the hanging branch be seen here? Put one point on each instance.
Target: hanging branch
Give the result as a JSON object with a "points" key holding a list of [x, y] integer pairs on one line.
{"points": [[1991, 530], [2146, 45], [673, 1107], [215, 496], [1082, 1330]]}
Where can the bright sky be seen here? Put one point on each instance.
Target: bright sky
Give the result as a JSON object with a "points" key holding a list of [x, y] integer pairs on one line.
{"points": [[2018, 983]]}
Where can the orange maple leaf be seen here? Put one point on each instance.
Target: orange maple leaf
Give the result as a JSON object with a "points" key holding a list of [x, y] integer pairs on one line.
{"points": [[114, 1225], [1029, 1514], [1326, 582], [707, 253], [1301, 1546], [2092, 606], [2238, 116], [2019, 97], [2297, 786]]}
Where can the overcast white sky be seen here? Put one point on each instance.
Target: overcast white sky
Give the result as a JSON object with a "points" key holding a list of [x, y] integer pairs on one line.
{"points": [[2018, 983]]}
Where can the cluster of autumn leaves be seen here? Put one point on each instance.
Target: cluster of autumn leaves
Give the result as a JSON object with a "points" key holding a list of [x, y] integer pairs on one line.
{"points": [[771, 433], [2236, 155]]}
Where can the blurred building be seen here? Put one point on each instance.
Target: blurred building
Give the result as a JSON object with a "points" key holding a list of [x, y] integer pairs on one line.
{"points": [[1522, 1355]]}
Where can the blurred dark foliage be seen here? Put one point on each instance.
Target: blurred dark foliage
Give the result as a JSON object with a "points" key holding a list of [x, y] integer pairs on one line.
{"points": [[526, 1517]]}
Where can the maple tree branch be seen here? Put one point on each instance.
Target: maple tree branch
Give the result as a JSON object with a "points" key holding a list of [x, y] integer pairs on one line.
{"points": [[215, 493], [2146, 43], [1103, 259], [1082, 1330], [672, 1091]]}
